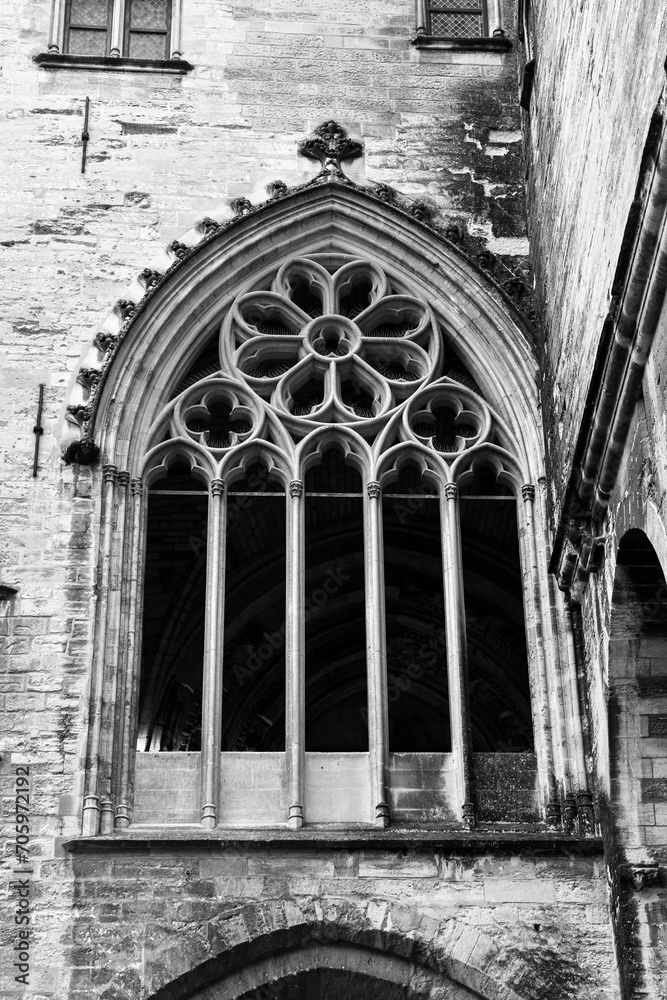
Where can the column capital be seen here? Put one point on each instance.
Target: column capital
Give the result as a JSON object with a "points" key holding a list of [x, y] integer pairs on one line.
{"points": [[296, 488], [528, 492], [137, 487], [124, 479], [451, 491], [109, 473], [374, 490], [217, 487]]}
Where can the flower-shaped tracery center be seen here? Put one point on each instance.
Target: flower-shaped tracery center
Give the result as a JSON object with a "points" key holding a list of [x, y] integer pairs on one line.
{"points": [[334, 344]]}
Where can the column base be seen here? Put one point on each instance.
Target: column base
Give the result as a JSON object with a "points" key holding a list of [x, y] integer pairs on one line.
{"points": [[382, 818], [569, 814], [106, 817], [585, 814], [91, 815], [553, 815], [122, 817], [468, 816], [208, 816], [295, 821]]}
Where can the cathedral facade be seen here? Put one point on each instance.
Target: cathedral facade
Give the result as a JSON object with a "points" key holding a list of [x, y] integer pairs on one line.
{"points": [[334, 500]]}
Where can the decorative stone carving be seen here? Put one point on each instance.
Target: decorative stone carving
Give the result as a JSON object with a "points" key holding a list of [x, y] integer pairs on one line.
{"points": [[374, 490], [330, 145], [386, 193], [105, 341], [207, 227], [296, 488], [179, 250], [421, 210], [640, 876], [277, 189], [84, 452], [241, 206], [89, 378], [149, 278], [528, 493]]}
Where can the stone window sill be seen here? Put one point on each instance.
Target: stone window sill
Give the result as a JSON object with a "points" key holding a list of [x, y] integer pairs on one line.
{"points": [[498, 43], [169, 67], [188, 837]]}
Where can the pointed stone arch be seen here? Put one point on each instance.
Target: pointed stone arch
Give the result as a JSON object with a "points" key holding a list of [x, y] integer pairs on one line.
{"points": [[150, 339], [265, 943]]}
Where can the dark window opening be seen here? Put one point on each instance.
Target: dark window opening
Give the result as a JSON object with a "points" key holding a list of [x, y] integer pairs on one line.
{"points": [[253, 700], [306, 296], [500, 710], [335, 619], [355, 298], [417, 688], [173, 613]]}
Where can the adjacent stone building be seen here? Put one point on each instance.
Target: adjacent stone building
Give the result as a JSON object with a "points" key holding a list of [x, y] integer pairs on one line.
{"points": [[332, 599]]}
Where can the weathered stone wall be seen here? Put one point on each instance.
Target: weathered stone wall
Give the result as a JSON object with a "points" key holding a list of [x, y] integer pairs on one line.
{"points": [[599, 75], [149, 914]]}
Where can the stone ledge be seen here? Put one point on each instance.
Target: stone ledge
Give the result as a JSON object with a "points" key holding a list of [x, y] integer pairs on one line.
{"points": [[179, 838], [168, 67], [497, 43]]}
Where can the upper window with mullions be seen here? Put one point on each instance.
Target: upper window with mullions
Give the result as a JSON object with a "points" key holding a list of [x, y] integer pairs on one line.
{"points": [[88, 25], [457, 18]]}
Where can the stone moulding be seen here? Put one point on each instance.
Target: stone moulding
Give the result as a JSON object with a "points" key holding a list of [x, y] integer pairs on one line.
{"points": [[637, 301], [331, 148], [181, 839]]}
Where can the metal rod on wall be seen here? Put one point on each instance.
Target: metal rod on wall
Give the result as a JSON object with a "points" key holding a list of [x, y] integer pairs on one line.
{"points": [[85, 136], [38, 429]]}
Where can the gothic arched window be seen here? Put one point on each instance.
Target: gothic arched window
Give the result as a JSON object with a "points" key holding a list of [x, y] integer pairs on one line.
{"points": [[334, 600]]}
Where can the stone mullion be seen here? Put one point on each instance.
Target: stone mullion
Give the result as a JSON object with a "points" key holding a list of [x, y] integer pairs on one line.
{"points": [[295, 654], [91, 802], [537, 665], [457, 650], [131, 663], [377, 655], [117, 28], [213, 652]]}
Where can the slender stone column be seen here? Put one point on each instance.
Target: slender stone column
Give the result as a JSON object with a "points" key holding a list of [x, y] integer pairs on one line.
{"points": [[117, 28], [421, 17], [57, 27], [113, 676], [91, 801], [175, 40], [295, 635], [131, 661], [537, 661], [496, 19], [213, 647], [378, 723], [457, 650]]}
